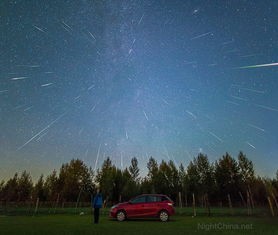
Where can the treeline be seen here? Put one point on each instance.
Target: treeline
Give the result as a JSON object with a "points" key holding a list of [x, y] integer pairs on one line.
{"points": [[217, 182]]}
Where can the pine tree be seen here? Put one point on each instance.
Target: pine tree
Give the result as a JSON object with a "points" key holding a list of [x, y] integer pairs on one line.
{"points": [[39, 190], [134, 170], [227, 176], [25, 186], [152, 174]]}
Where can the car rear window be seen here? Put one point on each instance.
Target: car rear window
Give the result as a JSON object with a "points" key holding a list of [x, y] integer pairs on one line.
{"points": [[165, 198]]}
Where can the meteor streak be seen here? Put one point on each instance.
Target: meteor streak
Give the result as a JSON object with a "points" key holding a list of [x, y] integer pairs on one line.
{"points": [[91, 87], [47, 84], [97, 157], [35, 136], [258, 65], [191, 114], [93, 37], [266, 107], [18, 78], [258, 128], [146, 115], [231, 102], [139, 22], [126, 135], [39, 28], [201, 35], [211, 133], [121, 160], [250, 145]]}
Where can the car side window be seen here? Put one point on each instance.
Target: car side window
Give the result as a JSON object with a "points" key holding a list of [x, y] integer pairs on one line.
{"points": [[154, 199], [159, 199], [138, 200], [151, 199]]}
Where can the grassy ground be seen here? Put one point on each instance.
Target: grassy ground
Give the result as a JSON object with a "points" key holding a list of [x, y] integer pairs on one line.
{"points": [[186, 211], [76, 224]]}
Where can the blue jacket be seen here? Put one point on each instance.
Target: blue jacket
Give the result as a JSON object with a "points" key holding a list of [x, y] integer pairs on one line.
{"points": [[97, 201]]}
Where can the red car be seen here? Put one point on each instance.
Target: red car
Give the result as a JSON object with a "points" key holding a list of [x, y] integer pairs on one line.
{"points": [[144, 206]]}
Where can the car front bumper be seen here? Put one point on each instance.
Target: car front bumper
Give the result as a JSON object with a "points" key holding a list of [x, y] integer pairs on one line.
{"points": [[112, 213]]}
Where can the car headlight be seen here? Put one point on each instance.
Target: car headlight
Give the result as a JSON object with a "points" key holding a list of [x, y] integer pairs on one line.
{"points": [[114, 206]]}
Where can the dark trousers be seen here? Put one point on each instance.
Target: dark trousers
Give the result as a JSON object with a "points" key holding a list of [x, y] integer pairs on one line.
{"points": [[96, 215]]}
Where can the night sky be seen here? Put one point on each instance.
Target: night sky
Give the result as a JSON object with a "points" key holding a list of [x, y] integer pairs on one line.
{"points": [[163, 78]]}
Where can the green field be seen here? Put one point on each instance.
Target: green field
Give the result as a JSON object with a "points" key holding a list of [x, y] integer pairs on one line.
{"points": [[16, 210], [76, 224]]}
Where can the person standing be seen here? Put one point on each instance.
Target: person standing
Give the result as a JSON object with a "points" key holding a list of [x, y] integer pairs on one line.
{"points": [[97, 204]]}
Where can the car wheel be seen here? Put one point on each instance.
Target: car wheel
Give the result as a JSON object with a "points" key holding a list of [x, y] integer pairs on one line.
{"points": [[163, 216], [120, 216]]}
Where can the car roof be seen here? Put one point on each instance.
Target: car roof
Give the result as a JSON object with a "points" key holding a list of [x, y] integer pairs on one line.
{"points": [[152, 194]]}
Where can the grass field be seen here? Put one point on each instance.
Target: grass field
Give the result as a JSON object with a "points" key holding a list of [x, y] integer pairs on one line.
{"points": [[185, 211], [76, 224]]}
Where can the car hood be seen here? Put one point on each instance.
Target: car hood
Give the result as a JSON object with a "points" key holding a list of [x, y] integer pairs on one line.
{"points": [[123, 204]]}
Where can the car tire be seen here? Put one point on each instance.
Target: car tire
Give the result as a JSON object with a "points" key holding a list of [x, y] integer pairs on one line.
{"points": [[164, 216], [120, 216]]}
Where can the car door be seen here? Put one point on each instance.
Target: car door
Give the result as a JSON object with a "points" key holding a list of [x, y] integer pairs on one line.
{"points": [[152, 205], [136, 207]]}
